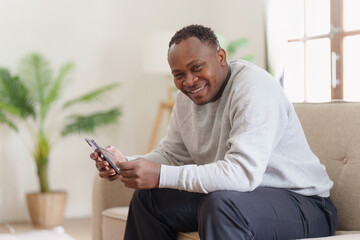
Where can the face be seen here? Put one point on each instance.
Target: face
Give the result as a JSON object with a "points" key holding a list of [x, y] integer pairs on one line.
{"points": [[200, 71]]}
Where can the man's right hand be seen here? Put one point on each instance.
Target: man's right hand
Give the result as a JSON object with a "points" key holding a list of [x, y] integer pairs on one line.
{"points": [[104, 168]]}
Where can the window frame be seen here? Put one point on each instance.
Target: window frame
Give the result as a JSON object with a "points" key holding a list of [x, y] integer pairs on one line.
{"points": [[336, 36]]}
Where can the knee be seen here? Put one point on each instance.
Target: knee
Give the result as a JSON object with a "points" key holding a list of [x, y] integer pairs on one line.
{"points": [[147, 197], [213, 205], [219, 213], [222, 205], [139, 197]]}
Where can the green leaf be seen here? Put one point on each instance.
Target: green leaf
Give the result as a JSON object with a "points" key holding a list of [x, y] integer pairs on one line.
{"points": [[91, 96], [36, 73], [249, 58], [89, 123], [10, 109], [14, 95], [234, 45], [3, 119], [57, 85], [222, 40]]}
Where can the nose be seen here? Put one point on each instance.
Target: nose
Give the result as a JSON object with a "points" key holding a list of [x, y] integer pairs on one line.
{"points": [[190, 80]]}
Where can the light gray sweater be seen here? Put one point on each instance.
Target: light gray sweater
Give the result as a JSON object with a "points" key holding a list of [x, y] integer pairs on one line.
{"points": [[249, 137]]}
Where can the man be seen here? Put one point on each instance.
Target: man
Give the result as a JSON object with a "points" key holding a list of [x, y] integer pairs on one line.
{"points": [[236, 151]]}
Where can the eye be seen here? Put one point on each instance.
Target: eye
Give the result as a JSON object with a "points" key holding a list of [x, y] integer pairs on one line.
{"points": [[178, 75], [197, 67]]}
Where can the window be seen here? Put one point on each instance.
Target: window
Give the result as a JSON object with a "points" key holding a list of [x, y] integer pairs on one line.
{"points": [[322, 52]]}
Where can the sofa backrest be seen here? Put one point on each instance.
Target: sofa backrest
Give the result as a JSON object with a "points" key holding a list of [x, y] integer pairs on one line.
{"points": [[333, 132]]}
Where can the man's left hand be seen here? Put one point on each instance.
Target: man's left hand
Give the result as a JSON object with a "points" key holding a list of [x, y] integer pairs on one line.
{"points": [[140, 173]]}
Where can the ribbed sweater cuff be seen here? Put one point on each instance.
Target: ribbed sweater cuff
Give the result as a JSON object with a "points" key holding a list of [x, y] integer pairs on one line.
{"points": [[169, 176], [131, 158]]}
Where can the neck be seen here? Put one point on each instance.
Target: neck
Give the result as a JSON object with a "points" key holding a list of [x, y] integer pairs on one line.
{"points": [[227, 73]]}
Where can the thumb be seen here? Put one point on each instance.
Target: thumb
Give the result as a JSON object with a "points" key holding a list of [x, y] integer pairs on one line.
{"points": [[118, 164], [124, 165]]}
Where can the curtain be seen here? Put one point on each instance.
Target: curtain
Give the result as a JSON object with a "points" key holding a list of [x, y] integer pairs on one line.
{"points": [[276, 39]]}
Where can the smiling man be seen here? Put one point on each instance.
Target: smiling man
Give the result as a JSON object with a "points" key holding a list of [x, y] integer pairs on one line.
{"points": [[200, 70], [236, 151]]}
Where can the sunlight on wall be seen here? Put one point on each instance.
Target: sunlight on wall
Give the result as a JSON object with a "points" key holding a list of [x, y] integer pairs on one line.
{"points": [[351, 68]]}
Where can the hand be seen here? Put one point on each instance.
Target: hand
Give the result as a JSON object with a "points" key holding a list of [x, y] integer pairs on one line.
{"points": [[105, 171], [140, 173]]}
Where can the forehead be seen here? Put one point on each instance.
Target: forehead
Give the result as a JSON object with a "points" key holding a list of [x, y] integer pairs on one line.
{"points": [[188, 50]]}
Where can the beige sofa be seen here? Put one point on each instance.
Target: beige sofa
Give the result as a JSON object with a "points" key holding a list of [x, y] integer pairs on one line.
{"points": [[333, 132]]}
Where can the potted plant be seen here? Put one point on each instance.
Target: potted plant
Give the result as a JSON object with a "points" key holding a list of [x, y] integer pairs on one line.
{"points": [[232, 47], [31, 96]]}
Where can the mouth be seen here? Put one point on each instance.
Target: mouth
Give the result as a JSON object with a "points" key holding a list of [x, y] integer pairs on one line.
{"points": [[197, 90]]}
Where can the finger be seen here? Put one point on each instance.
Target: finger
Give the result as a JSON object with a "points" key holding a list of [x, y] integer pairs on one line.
{"points": [[126, 165], [98, 153], [112, 178], [118, 164], [94, 155], [102, 163], [127, 173], [102, 166], [99, 159], [106, 174]]}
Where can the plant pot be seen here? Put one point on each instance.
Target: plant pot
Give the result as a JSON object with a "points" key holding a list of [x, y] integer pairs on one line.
{"points": [[46, 209]]}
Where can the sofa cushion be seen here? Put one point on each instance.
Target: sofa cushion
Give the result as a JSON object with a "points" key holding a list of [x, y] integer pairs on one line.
{"points": [[333, 132], [348, 236], [114, 222]]}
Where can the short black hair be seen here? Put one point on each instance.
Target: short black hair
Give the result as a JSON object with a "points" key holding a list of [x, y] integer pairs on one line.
{"points": [[204, 34]]}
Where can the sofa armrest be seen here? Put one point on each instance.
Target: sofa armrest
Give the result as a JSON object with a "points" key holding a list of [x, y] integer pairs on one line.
{"points": [[107, 194]]}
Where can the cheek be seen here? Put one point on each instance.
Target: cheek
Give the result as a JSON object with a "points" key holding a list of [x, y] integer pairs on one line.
{"points": [[209, 75]]}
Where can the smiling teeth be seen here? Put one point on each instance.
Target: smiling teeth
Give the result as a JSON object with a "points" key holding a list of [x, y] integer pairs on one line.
{"points": [[197, 90]]}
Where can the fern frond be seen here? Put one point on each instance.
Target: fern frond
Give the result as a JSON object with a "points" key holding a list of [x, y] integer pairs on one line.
{"points": [[89, 123], [36, 73], [14, 95], [3, 119], [5, 107], [91, 96], [57, 85]]}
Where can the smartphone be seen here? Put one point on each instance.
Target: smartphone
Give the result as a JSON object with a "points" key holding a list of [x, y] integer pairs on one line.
{"points": [[104, 154]]}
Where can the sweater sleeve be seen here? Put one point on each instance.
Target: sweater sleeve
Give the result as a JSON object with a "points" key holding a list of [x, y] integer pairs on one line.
{"points": [[171, 150], [258, 117]]}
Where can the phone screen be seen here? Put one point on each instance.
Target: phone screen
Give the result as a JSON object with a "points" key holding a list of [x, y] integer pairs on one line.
{"points": [[105, 154]]}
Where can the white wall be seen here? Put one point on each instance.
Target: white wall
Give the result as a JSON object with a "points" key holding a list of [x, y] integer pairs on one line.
{"points": [[106, 40]]}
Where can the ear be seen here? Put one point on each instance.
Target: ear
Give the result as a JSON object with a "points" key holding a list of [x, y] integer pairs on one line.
{"points": [[222, 56]]}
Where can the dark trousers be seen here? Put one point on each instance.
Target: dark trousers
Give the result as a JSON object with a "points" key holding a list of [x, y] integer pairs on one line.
{"points": [[265, 213]]}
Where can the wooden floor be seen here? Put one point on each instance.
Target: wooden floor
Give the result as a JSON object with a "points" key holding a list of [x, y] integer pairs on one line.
{"points": [[78, 228]]}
